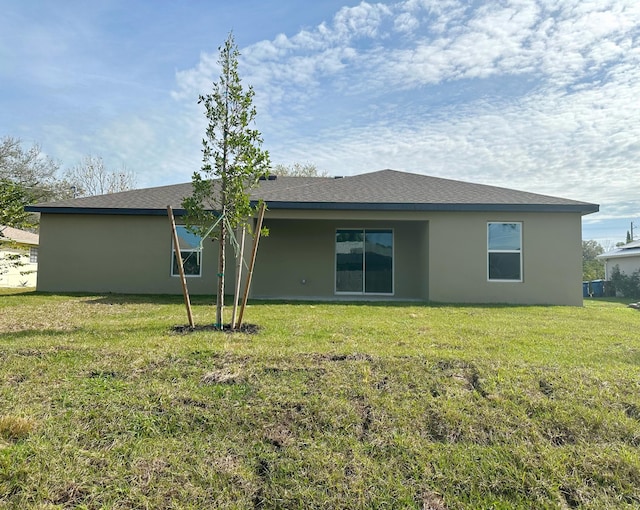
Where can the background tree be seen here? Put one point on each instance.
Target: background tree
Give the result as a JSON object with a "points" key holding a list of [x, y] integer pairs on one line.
{"points": [[299, 170], [91, 177], [31, 170], [13, 199], [592, 268], [232, 162]]}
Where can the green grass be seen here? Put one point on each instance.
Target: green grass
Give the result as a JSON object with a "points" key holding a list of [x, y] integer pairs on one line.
{"points": [[328, 406]]}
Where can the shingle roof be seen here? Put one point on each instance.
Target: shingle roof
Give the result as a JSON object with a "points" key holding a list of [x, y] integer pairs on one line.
{"points": [[18, 236], [382, 190]]}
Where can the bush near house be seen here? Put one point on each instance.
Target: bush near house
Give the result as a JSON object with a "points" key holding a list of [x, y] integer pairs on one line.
{"points": [[623, 284], [352, 405]]}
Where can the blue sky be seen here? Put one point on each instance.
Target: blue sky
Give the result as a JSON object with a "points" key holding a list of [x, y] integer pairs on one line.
{"points": [[538, 95]]}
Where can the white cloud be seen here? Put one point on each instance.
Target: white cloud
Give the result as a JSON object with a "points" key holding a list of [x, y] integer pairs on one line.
{"points": [[582, 146], [536, 95], [363, 20], [406, 22]]}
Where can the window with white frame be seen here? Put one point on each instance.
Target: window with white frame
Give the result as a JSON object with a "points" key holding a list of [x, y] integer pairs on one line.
{"points": [[190, 251], [33, 255], [364, 261], [504, 251]]}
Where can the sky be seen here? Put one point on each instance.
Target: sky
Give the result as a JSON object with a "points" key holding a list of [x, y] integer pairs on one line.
{"points": [[536, 95]]}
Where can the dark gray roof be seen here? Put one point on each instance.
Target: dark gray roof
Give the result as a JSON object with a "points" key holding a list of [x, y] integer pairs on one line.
{"points": [[383, 190]]}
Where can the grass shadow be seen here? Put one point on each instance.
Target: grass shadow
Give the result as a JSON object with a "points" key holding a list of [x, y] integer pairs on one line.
{"points": [[30, 333], [209, 299]]}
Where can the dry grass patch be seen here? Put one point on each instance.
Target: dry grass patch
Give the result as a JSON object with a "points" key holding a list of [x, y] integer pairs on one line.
{"points": [[15, 428], [223, 376]]}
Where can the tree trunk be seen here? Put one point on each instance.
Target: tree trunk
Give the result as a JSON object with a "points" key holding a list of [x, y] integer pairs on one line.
{"points": [[221, 267]]}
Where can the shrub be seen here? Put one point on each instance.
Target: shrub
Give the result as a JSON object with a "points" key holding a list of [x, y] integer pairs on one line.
{"points": [[626, 285]]}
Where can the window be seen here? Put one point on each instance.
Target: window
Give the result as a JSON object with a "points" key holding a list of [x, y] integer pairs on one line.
{"points": [[364, 261], [504, 243], [190, 252], [33, 255]]}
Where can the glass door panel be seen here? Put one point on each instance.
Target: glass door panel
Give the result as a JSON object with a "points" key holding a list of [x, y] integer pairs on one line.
{"points": [[378, 262], [349, 260]]}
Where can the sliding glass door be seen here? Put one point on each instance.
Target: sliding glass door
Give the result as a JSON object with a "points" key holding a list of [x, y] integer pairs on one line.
{"points": [[364, 261]]}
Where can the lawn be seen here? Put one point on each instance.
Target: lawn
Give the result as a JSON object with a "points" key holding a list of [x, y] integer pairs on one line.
{"points": [[103, 405]]}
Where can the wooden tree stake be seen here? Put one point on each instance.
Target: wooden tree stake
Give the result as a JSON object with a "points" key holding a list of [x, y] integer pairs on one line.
{"points": [[236, 294], [256, 240], [183, 279]]}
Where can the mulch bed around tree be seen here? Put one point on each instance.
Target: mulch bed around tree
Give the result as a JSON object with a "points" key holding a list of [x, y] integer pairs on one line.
{"points": [[249, 329]]}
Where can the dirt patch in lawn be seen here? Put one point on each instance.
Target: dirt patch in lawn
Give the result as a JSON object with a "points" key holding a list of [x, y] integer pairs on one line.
{"points": [[248, 329]]}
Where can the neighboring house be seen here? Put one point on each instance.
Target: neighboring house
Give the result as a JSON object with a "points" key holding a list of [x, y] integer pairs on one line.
{"points": [[384, 235], [15, 242], [626, 257]]}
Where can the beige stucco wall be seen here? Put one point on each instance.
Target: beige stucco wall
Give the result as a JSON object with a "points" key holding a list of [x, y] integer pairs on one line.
{"points": [[122, 254], [439, 256], [298, 258], [551, 251], [627, 265]]}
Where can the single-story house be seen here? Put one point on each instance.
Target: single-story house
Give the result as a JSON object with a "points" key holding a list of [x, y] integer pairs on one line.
{"points": [[385, 235], [626, 257], [18, 243]]}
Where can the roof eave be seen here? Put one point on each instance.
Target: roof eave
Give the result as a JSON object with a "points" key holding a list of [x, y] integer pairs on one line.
{"points": [[472, 207], [127, 211], [344, 206]]}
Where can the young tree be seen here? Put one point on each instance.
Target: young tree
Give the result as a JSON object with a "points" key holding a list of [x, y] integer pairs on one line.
{"points": [[232, 162]]}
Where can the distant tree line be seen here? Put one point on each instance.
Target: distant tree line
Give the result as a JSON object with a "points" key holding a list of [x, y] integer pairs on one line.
{"points": [[29, 176], [299, 170]]}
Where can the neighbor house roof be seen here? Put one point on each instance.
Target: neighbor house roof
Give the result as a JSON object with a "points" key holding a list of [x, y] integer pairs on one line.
{"points": [[631, 249], [383, 190], [18, 236]]}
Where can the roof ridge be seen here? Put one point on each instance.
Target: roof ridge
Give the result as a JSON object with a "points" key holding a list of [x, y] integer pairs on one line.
{"points": [[478, 184], [298, 186]]}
